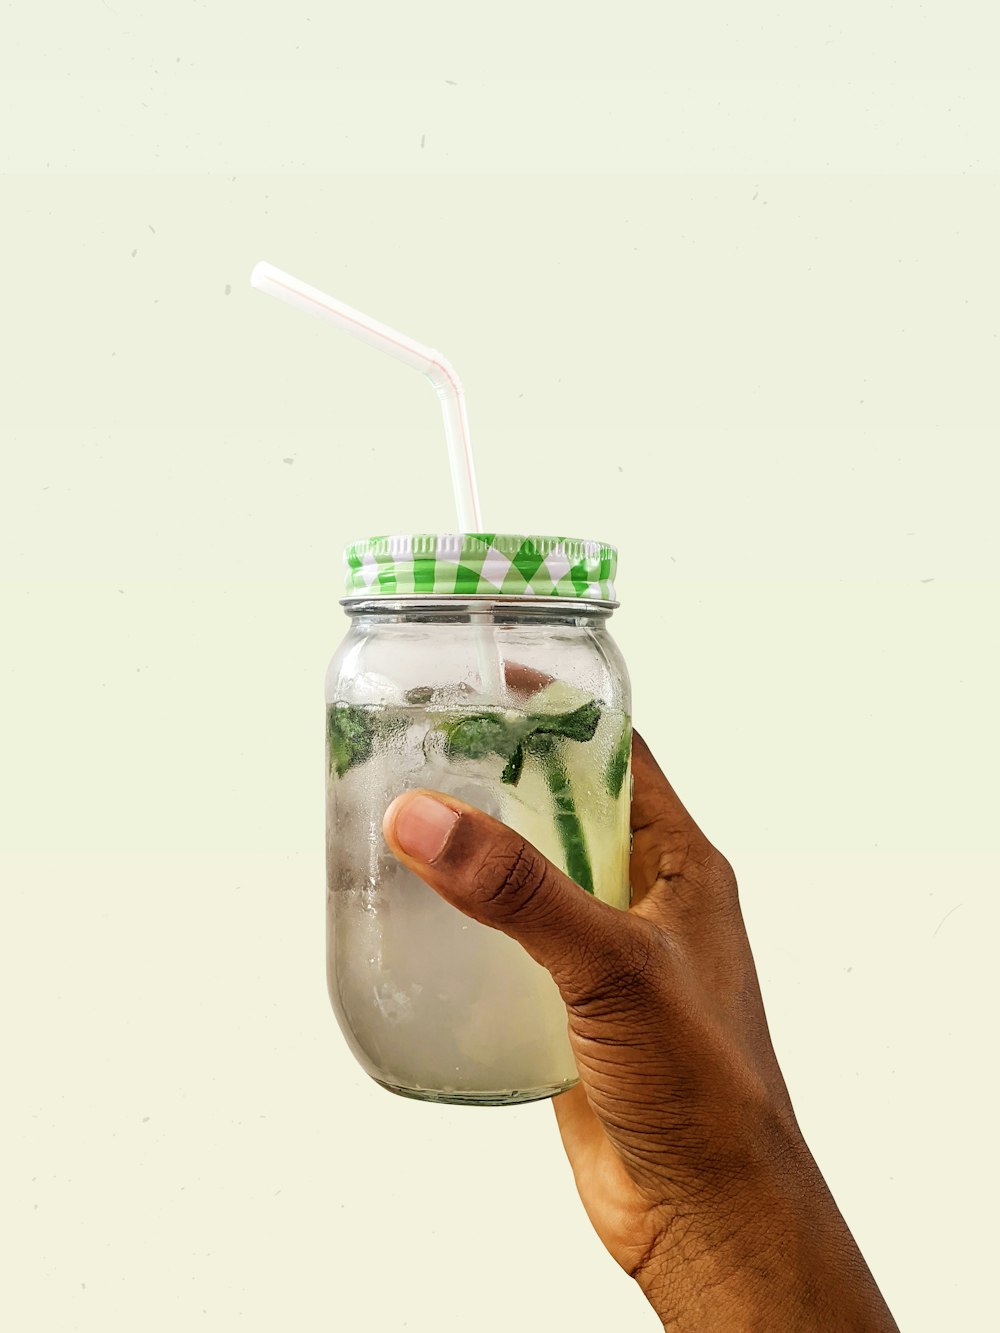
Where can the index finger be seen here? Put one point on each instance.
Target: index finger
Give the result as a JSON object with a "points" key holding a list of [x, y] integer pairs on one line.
{"points": [[664, 834]]}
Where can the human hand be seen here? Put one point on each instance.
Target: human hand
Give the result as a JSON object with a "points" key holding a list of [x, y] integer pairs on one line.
{"points": [[680, 1133]]}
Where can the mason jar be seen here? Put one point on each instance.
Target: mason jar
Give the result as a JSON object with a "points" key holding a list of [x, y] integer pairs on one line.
{"points": [[480, 666]]}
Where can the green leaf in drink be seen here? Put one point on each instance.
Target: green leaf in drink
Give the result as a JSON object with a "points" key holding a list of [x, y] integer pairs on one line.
{"points": [[578, 725], [511, 774], [479, 734], [350, 734]]}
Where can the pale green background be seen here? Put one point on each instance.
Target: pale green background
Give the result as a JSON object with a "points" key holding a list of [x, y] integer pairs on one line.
{"points": [[723, 289]]}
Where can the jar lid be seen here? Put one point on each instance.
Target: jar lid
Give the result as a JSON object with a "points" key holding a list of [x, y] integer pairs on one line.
{"points": [[481, 564]]}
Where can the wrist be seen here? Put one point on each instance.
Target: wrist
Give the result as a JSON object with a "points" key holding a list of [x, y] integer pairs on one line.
{"points": [[773, 1254]]}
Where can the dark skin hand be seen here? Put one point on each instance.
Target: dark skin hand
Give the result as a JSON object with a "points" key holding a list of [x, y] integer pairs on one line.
{"points": [[680, 1133]]}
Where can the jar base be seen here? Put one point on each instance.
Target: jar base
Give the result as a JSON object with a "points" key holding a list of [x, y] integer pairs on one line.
{"points": [[516, 1097]]}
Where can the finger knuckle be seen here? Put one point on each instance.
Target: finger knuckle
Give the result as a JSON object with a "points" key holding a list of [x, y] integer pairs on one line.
{"points": [[509, 879], [716, 869], [701, 866]]}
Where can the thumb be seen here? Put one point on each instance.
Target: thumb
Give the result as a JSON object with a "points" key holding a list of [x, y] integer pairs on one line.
{"points": [[489, 872]]}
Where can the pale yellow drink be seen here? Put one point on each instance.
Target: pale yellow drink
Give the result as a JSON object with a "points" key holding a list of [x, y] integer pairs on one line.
{"points": [[435, 1005]]}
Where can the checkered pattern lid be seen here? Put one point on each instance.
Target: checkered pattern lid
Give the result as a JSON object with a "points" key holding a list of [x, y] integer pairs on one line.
{"points": [[478, 564]]}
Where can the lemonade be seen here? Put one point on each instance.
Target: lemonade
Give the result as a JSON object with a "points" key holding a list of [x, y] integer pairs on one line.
{"points": [[435, 1005]]}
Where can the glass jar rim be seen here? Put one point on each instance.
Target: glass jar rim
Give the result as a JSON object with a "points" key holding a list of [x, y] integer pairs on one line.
{"points": [[457, 603]]}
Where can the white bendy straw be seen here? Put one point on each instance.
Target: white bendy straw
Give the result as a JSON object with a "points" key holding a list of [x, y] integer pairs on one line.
{"points": [[266, 278]]}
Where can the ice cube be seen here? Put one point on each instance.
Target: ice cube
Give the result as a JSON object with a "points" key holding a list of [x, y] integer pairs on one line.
{"points": [[472, 781], [371, 688]]}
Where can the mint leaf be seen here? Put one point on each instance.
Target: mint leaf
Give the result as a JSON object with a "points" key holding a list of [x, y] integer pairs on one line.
{"points": [[479, 734], [579, 725], [512, 772], [350, 735]]}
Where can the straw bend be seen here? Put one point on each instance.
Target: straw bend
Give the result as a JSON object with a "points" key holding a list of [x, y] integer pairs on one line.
{"points": [[441, 373]]}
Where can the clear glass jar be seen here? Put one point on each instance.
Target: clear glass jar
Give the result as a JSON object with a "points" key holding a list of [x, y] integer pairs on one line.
{"points": [[517, 705]]}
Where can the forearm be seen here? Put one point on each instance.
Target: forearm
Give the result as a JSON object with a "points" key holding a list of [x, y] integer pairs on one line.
{"points": [[774, 1259]]}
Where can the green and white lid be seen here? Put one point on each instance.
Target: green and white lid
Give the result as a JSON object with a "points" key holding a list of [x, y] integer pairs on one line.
{"points": [[480, 564]]}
